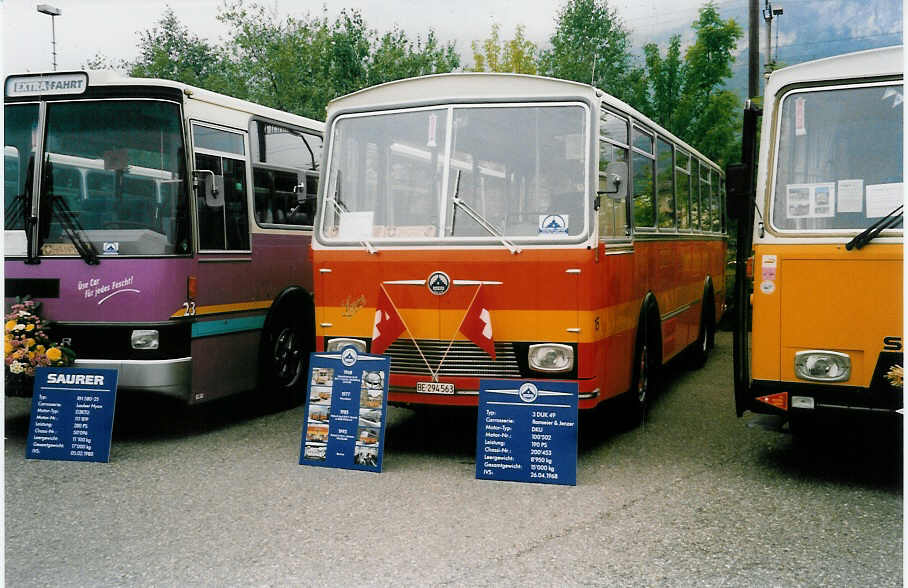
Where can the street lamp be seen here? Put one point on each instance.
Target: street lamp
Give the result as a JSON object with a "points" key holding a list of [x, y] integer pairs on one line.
{"points": [[53, 11]]}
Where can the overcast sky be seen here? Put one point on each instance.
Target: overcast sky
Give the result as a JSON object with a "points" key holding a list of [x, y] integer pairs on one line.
{"points": [[110, 27]]}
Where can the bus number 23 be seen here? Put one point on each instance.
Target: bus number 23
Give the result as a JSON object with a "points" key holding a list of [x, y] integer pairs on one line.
{"points": [[189, 308]]}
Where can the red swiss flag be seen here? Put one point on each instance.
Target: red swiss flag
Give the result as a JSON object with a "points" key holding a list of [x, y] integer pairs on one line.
{"points": [[477, 324], [388, 324]]}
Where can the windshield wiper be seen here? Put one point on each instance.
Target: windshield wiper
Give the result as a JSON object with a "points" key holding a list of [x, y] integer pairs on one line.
{"points": [[480, 220], [342, 209], [870, 233], [73, 230]]}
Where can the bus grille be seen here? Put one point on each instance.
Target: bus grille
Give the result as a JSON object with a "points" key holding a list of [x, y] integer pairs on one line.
{"points": [[464, 358]]}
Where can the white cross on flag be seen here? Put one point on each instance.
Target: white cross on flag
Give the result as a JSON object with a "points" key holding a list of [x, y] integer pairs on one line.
{"points": [[477, 324], [388, 324]]}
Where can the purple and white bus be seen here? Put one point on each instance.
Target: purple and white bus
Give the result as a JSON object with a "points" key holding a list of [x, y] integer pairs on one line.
{"points": [[165, 228]]}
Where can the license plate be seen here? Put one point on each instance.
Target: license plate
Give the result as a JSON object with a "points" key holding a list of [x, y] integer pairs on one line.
{"points": [[434, 388]]}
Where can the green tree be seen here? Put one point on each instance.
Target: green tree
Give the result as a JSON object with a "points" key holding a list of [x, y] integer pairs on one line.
{"points": [[515, 56], [665, 75], [396, 57], [169, 50], [590, 45], [708, 114]]}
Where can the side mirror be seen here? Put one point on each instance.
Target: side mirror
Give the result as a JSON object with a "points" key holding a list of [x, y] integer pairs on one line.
{"points": [[211, 187], [737, 186], [614, 184]]}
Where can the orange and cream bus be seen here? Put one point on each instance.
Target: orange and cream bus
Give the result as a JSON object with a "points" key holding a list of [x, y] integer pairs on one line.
{"points": [[479, 226], [825, 233]]}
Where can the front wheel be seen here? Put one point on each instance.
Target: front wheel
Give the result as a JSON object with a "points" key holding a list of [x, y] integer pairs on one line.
{"points": [[645, 378]]}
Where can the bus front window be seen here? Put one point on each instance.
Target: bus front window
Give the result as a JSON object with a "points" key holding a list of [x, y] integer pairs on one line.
{"points": [[19, 138], [117, 170], [839, 162], [520, 171]]}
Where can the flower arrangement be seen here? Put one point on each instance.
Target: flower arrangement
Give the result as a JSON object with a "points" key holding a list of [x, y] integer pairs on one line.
{"points": [[28, 346]]}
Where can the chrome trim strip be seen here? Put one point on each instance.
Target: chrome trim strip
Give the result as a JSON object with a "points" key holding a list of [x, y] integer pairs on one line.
{"points": [[572, 271], [476, 283], [573, 330], [405, 282], [679, 310], [326, 325], [858, 408], [324, 270]]}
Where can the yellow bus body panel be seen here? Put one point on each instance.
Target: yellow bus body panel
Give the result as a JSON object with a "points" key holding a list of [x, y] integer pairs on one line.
{"points": [[824, 297]]}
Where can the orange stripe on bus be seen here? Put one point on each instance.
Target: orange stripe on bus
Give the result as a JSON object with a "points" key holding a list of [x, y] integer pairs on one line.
{"points": [[224, 308]]}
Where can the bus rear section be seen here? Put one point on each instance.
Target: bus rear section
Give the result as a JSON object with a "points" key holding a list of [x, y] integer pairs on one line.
{"points": [[512, 227], [827, 285]]}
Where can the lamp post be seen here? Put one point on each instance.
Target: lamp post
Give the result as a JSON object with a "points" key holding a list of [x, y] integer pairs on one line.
{"points": [[53, 11]]}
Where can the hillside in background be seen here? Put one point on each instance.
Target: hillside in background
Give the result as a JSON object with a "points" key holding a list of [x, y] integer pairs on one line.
{"points": [[810, 29]]}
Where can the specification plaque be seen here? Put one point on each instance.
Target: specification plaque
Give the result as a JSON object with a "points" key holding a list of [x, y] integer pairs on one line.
{"points": [[527, 431], [72, 414], [346, 406]]}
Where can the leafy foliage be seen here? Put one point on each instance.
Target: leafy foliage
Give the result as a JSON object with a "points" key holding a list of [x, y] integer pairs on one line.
{"points": [[590, 45], [515, 56]]}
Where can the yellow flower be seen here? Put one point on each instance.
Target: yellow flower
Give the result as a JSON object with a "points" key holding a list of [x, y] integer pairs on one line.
{"points": [[10, 325], [30, 342], [40, 348], [8, 348], [29, 327], [54, 354]]}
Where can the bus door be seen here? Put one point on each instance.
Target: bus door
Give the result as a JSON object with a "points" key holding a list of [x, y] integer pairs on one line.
{"points": [[226, 316]]}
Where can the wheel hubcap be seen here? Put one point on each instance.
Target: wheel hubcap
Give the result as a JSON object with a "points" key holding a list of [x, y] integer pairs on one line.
{"points": [[287, 357]]}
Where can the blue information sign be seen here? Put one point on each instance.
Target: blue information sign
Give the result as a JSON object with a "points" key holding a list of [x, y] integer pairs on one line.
{"points": [[346, 405], [72, 414], [527, 431]]}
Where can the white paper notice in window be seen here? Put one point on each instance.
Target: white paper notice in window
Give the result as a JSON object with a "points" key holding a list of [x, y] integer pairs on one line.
{"points": [[355, 226], [883, 199], [851, 195]]}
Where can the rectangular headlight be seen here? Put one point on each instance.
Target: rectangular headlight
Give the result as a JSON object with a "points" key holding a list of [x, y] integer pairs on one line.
{"points": [[145, 339], [551, 357], [822, 366], [340, 342]]}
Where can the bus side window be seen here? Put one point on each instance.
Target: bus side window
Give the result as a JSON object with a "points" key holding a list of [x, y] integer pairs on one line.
{"points": [[223, 223]]}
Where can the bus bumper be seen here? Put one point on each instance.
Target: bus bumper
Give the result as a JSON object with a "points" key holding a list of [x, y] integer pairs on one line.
{"points": [[167, 377]]}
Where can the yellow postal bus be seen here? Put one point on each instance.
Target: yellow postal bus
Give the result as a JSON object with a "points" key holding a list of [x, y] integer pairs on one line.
{"points": [[824, 283]]}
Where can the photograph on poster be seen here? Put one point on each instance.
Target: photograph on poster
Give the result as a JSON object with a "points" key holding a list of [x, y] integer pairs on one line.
{"points": [[315, 451], [372, 389], [320, 395], [367, 435], [366, 455], [319, 413], [317, 432], [370, 417], [322, 376]]}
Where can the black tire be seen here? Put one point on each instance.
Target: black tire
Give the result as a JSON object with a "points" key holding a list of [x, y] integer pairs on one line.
{"points": [[287, 340], [645, 379], [706, 340]]}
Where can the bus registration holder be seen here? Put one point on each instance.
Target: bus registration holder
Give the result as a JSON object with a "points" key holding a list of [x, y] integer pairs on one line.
{"points": [[434, 388]]}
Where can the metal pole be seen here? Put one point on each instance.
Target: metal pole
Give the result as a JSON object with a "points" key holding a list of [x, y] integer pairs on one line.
{"points": [[753, 50], [53, 39]]}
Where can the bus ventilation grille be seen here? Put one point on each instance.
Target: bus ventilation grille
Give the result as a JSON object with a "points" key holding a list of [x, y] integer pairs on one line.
{"points": [[464, 358]]}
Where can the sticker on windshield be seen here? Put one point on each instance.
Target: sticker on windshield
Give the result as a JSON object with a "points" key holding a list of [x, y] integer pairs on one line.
{"points": [[553, 224], [111, 248], [883, 199], [810, 200]]}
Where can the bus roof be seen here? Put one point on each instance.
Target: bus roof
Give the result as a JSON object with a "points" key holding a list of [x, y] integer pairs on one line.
{"points": [[486, 86], [885, 61], [99, 78]]}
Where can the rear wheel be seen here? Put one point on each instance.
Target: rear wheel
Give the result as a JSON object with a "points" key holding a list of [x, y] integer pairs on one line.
{"points": [[699, 351], [286, 343]]}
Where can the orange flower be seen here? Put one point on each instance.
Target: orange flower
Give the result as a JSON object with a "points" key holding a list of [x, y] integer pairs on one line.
{"points": [[7, 348], [54, 354], [10, 325]]}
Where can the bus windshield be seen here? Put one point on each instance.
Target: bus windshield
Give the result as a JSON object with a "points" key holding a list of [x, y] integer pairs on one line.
{"points": [[516, 171], [113, 173], [839, 158]]}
